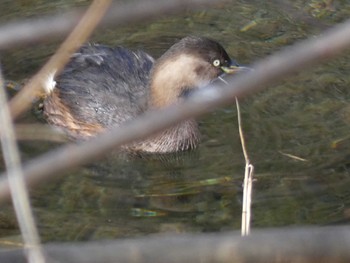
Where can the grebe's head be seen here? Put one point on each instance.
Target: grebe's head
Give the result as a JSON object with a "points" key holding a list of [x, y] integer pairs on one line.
{"points": [[190, 63]]}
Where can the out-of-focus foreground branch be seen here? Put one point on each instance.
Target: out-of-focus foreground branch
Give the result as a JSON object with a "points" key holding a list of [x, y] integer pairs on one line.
{"points": [[19, 193], [276, 67], [299, 245], [76, 38]]}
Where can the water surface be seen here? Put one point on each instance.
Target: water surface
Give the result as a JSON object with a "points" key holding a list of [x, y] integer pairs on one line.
{"points": [[297, 135]]}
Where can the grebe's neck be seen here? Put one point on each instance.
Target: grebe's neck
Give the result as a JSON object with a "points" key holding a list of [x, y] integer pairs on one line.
{"points": [[173, 76]]}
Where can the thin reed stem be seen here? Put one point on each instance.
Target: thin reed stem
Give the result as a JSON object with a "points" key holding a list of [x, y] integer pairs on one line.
{"points": [[248, 175], [248, 179]]}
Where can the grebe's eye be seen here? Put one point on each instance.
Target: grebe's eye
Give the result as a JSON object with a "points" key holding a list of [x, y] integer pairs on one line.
{"points": [[216, 63]]}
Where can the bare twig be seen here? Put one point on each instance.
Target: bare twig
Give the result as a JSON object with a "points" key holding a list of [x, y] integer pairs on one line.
{"points": [[51, 27], [77, 37], [312, 245], [294, 157], [270, 70], [19, 194]]}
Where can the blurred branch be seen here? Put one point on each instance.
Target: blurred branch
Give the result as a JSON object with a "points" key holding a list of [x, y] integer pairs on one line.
{"points": [[268, 71], [39, 132], [50, 27], [19, 194], [313, 245], [17, 34], [76, 38]]}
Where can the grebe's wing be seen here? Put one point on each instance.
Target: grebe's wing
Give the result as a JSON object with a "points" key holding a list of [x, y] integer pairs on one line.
{"points": [[105, 85]]}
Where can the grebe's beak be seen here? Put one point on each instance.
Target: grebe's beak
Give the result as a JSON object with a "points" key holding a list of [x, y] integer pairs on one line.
{"points": [[233, 69]]}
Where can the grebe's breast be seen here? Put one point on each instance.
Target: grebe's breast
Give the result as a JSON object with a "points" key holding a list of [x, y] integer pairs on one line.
{"points": [[105, 86]]}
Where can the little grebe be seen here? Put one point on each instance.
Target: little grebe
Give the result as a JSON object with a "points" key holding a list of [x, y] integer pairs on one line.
{"points": [[103, 87]]}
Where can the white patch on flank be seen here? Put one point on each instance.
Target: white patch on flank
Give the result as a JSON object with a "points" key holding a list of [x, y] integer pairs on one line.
{"points": [[50, 83]]}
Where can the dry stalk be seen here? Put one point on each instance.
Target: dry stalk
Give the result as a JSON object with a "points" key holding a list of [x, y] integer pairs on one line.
{"points": [[248, 176], [248, 179], [19, 193]]}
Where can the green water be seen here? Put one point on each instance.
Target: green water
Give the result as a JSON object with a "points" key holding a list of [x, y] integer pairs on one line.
{"points": [[301, 117]]}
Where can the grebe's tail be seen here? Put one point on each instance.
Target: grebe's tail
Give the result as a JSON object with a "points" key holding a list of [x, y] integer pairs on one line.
{"points": [[49, 83]]}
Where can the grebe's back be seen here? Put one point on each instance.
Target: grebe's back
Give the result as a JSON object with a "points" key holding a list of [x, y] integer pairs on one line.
{"points": [[101, 87]]}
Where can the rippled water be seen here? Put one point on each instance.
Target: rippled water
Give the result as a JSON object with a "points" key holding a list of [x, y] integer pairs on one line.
{"points": [[297, 135]]}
